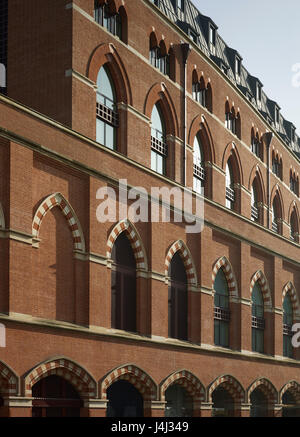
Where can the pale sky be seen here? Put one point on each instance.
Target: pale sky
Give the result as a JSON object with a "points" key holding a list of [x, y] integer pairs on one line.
{"points": [[266, 33]]}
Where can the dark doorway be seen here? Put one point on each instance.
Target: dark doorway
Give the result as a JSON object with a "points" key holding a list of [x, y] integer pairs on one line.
{"points": [[223, 403], [55, 397], [124, 400], [259, 404], [290, 407], [179, 402]]}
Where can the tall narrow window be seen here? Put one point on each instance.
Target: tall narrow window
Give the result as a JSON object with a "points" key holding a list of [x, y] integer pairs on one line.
{"points": [[107, 116], [256, 146], [276, 215], [221, 310], [178, 299], [254, 205], [199, 173], [158, 141], [123, 286], [231, 121], [112, 22], [287, 327], [230, 194], [258, 321], [294, 228], [212, 39]]}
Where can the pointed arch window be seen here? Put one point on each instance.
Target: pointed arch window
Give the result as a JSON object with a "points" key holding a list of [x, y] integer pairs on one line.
{"points": [[123, 285], [106, 112], [104, 17], [258, 321], [294, 229], [277, 166], [159, 57], [254, 203], [256, 147], [294, 184], [287, 327], [230, 121], [199, 172], [178, 299], [230, 193], [158, 141], [202, 93], [276, 215], [221, 310]]}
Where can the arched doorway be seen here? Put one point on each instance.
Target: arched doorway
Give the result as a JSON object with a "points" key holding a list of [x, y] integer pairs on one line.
{"points": [[178, 402], [290, 406], [259, 404], [124, 400], [55, 397], [223, 403]]}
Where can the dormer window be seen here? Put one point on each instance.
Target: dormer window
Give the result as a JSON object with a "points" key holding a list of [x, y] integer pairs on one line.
{"points": [[238, 65], [180, 5], [193, 36], [212, 39], [276, 116], [258, 94], [292, 134]]}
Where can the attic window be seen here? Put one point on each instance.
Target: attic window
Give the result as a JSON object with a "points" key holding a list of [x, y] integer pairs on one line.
{"points": [[276, 116], [292, 134], [193, 36], [238, 64], [258, 94], [212, 39], [180, 5]]}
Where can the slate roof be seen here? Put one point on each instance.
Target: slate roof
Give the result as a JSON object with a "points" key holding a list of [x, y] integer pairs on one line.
{"points": [[191, 20]]}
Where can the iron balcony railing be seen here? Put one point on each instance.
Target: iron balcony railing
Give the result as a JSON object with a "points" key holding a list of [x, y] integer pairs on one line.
{"points": [[287, 330], [159, 146], [106, 114], [199, 172], [275, 227], [254, 213], [258, 322], [230, 194], [222, 314]]}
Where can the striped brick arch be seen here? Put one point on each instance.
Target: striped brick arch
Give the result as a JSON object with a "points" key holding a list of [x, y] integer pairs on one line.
{"points": [[2, 220], [135, 376], [8, 381], [231, 385], [134, 239], [225, 265], [264, 286], [70, 371], [294, 388], [180, 246], [186, 380], [290, 289], [266, 387], [50, 202]]}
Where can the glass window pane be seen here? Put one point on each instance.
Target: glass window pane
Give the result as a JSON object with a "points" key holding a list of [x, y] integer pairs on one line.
{"points": [[100, 127], [110, 136]]}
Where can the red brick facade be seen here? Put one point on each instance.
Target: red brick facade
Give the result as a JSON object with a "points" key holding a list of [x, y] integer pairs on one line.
{"points": [[56, 258]]}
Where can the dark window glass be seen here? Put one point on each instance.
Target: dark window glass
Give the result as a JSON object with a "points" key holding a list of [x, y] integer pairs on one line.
{"points": [[123, 286], [221, 310], [178, 402], [53, 396], [178, 299], [112, 22], [287, 327], [257, 320], [223, 403], [124, 400]]}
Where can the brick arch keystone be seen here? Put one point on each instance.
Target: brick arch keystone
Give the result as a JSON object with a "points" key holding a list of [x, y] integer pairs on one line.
{"points": [[57, 199], [134, 375], [225, 265], [186, 380], [9, 381], [294, 388], [134, 239], [229, 383], [264, 286], [81, 380], [181, 247], [266, 387], [290, 289]]}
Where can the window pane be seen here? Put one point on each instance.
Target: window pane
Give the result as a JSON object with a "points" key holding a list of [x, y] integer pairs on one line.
{"points": [[100, 127], [110, 136]]}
